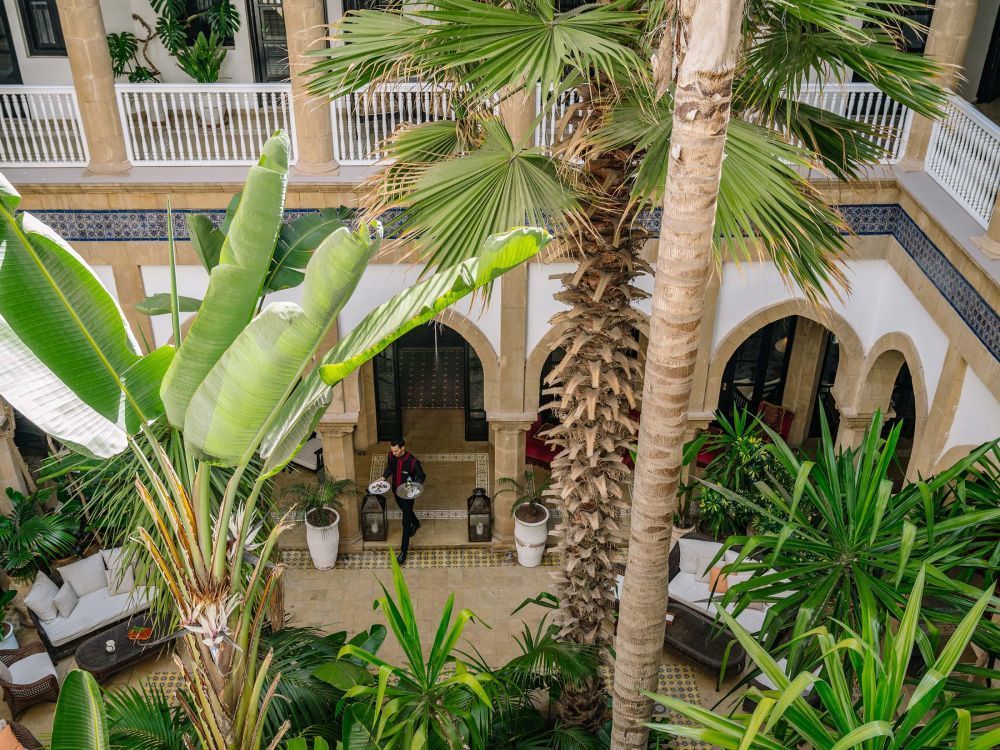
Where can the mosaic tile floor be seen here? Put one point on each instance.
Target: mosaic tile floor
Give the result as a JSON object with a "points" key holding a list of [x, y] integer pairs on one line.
{"points": [[430, 557], [432, 463]]}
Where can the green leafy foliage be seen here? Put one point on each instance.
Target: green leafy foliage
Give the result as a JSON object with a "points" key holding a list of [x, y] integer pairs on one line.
{"points": [[142, 718], [526, 492], [31, 537], [80, 722], [848, 538], [203, 59], [740, 459], [871, 710]]}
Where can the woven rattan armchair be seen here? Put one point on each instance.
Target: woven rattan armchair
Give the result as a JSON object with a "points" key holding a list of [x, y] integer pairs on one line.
{"points": [[26, 738], [20, 696]]}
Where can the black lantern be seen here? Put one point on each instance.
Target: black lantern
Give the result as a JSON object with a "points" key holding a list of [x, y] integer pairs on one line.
{"points": [[480, 516], [373, 523]]}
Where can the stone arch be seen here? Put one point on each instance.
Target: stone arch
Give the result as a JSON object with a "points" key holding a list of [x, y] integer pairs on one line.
{"points": [[851, 349], [534, 364], [882, 366], [952, 456], [484, 350]]}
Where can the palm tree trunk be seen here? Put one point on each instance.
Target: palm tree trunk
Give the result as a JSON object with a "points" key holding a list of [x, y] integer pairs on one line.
{"points": [[711, 32]]}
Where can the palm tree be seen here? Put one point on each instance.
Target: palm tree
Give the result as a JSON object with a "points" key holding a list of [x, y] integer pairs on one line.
{"points": [[608, 162], [726, 58]]}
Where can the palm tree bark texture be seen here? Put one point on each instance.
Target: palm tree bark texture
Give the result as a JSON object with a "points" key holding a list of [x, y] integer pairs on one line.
{"points": [[709, 35]]}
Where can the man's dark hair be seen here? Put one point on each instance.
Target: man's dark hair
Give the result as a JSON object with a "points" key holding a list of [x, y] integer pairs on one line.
{"points": [[398, 442]]}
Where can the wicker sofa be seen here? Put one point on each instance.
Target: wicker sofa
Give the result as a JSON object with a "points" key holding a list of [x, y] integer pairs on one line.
{"points": [[96, 609]]}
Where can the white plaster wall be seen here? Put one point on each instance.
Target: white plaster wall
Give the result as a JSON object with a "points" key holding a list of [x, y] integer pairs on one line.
{"points": [[382, 281], [879, 303], [979, 43], [42, 70], [977, 418], [107, 277], [192, 281], [541, 303]]}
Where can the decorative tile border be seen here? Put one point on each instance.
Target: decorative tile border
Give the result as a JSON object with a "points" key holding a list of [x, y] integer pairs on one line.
{"points": [[482, 461], [874, 219]]}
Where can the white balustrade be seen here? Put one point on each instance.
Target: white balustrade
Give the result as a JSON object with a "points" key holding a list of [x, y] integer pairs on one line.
{"points": [[547, 132], [863, 102], [198, 124], [963, 157], [40, 126], [366, 118]]}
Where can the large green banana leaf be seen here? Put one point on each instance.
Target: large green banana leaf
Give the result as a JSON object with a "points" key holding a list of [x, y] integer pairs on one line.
{"points": [[80, 722], [68, 360], [383, 325], [297, 242], [241, 395], [235, 284]]}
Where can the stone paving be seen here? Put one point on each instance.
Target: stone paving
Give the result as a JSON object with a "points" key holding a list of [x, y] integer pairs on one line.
{"points": [[341, 599]]}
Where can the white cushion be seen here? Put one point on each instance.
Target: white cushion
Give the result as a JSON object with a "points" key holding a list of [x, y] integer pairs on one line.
{"points": [[5, 673], [85, 576], [95, 611], [697, 554], [113, 558], [121, 581], [765, 681], [32, 669], [688, 590], [40, 598], [66, 600]]}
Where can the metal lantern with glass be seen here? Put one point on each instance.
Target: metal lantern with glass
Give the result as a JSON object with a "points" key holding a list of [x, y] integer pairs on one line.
{"points": [[480, 516]]}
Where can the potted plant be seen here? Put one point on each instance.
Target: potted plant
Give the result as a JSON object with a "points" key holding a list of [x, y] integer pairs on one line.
{"points": [[531, 517], [320, 501], [31, 538]]}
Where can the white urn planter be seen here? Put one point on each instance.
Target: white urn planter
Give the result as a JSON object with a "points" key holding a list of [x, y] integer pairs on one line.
{"points": [[530, 536], [323, 541]]}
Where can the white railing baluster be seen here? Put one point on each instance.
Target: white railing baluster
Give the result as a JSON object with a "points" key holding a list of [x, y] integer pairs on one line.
{"points": [[963, 157]]}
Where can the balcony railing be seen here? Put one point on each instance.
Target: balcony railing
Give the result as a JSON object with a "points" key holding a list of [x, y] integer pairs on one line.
{"points": [[862, 102], [964, 158], [41, 126], [198, 124], [362, 120]]}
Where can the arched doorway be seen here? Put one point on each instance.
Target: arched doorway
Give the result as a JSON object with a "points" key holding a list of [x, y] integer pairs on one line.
{"points": [[903, 411], [431, 373], [790, 363]]}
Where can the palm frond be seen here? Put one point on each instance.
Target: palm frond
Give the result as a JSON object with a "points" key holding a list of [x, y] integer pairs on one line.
{"points": [[143, 719]]}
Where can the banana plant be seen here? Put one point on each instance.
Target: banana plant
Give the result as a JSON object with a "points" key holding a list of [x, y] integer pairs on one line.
{"points": [[239, 385], [81, 722], [874, 713]]}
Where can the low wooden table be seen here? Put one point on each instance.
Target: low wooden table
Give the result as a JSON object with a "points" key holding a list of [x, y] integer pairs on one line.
{"points": [[700, 637], [93, 656]]}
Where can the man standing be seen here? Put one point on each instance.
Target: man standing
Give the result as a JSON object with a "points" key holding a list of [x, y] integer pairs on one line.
{"points": [[401, 467]]}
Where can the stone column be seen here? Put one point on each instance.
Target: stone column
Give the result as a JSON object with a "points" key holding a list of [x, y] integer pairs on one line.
{"points": [[13, 471], [940, 416], [305, 29], [508, 461], [947, 42], [804, 365], [337, 433], [130, 290], [989, 243], [90, 62], [852, 428]]}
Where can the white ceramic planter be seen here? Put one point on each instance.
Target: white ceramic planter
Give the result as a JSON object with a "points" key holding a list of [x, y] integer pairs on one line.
{"points": [[530, 540], [324, 541]]}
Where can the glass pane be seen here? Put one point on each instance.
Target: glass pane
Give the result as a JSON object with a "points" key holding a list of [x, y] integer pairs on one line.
{"points": [[8, 63]]}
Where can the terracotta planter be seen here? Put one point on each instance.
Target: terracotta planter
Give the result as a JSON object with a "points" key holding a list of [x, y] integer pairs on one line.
{"points": [[530, 539], [323, 541]]}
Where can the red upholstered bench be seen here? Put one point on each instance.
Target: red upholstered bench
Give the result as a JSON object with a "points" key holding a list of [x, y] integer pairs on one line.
{"points": [[535, 449]]}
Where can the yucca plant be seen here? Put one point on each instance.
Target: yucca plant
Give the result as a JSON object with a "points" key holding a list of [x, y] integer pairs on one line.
{"points": [[860, 541], [446, 698], [864, 699], [238, 384]]}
